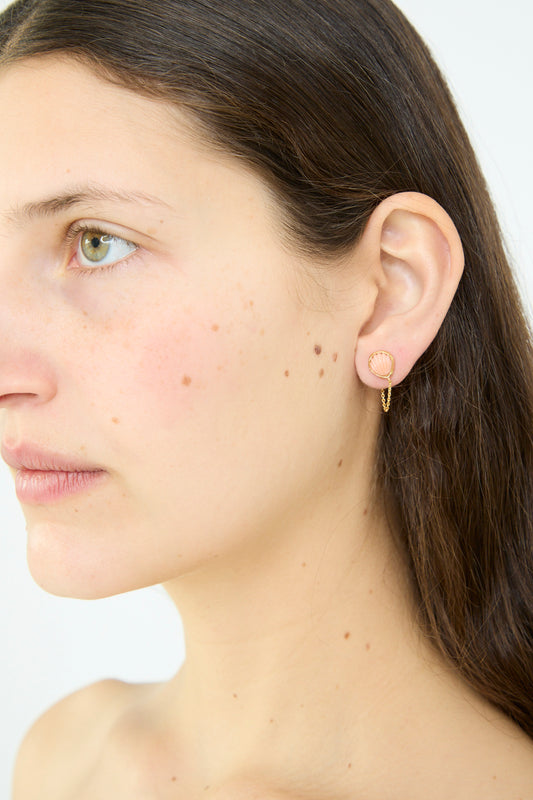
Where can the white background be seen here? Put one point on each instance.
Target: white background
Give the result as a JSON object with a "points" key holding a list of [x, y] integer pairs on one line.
{"points": [[51, 646]]}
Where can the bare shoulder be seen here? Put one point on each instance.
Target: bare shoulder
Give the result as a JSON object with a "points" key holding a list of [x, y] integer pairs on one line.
{"points": [[62, 743]]}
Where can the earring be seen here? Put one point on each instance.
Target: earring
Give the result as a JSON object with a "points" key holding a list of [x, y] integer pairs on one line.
{"points": [[381, 364]]}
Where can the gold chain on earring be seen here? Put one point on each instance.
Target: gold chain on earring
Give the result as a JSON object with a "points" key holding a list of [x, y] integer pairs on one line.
{"points": [[381, 364]]}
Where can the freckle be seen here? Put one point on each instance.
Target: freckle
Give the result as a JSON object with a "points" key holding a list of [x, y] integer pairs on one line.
{"points": [[115, 420], [335, 356], [340, 464], [349, 766], [347, 635], [318, 349], [251, 303], [365, 512], [304, 563], [186, 380], [235, 696], [370, 591], [215, 328], [271, 721], [367, 646], [85, 313], [76, 511], [174, 778], [321, 373]]}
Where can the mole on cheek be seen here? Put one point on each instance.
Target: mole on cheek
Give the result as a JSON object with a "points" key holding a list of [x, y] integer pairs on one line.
{"points": [[287, 373], [215, 328], [186, 380], [318, 349], [115, 420], [321, 373]]}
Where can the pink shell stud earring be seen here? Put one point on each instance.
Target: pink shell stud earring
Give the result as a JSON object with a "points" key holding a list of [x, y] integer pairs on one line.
{"points": [[381, 364]]}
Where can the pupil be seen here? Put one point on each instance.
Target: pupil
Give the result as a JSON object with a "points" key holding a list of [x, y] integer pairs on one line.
{"points": [[95, 242]]}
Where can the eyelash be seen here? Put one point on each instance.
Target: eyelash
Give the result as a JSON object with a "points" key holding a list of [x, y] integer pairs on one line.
{"points": [[78, 229]]}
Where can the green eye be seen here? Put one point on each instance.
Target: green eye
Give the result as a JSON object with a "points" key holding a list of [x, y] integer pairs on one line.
{"points": [[99, 249], [95, 246]]}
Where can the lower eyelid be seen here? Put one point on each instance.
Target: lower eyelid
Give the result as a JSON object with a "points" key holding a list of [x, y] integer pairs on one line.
{"points": [[80, 269]]}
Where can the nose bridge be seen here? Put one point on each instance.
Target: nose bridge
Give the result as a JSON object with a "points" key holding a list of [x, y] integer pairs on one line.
{"points": [[25, 369]]}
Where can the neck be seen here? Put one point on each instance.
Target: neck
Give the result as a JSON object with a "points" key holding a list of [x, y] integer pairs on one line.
{"points": [[291, 650]]}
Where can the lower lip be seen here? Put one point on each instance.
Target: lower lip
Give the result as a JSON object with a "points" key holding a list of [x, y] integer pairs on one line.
{"points": [[33, 486]]}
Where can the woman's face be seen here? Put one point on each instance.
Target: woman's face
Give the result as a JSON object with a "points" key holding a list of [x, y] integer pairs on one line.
{"points": [[178, 345]]}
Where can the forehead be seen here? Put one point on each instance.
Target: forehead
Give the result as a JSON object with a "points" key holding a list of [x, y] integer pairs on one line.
{"points": [[65, 128], [61, 122]]}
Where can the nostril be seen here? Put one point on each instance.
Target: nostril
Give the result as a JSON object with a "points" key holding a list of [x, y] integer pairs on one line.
{"points": [[25, 380], [15, 398]]}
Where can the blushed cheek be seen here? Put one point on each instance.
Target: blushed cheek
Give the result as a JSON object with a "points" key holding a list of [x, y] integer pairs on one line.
{"points": [[178, 368]]}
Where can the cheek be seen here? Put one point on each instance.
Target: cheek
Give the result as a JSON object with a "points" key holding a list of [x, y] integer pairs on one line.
{"points": [[175, 367]]}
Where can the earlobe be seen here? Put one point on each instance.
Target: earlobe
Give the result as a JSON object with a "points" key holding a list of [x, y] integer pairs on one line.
{"points": [[417, 262]]}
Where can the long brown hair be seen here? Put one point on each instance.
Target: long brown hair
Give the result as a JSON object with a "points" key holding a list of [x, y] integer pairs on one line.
{"points": [[338, 105]]}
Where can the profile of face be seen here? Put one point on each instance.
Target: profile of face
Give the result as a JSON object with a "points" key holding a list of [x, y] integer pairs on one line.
{"points": [[155, 325]]}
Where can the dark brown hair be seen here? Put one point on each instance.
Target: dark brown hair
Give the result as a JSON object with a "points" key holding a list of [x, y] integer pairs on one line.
{"points": [[338, 105]]}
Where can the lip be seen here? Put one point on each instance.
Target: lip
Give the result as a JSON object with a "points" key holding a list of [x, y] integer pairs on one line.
{"points": [[33, 458], [43, 476]]}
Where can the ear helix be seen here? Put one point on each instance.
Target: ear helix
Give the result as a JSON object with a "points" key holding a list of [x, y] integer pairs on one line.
{"points": [[381, 364]]}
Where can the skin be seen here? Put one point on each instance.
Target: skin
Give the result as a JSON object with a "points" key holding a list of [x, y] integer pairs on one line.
{"points": [[221, 381]]}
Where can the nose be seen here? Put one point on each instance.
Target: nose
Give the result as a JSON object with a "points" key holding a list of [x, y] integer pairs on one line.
{"points": [[26, 375], [23, 379]]}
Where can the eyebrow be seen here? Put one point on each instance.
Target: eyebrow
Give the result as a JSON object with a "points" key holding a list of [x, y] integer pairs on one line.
{"points": [[76, 196]]}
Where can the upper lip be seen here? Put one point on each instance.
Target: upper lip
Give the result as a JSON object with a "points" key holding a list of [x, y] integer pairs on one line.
{"points": [[31, 457]]}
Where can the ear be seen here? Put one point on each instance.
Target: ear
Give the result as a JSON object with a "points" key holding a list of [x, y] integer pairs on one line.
{"points": [[415, 261]]}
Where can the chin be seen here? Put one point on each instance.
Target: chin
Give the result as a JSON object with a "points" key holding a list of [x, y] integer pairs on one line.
{"points": [[78, 585], [63, 564]]}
